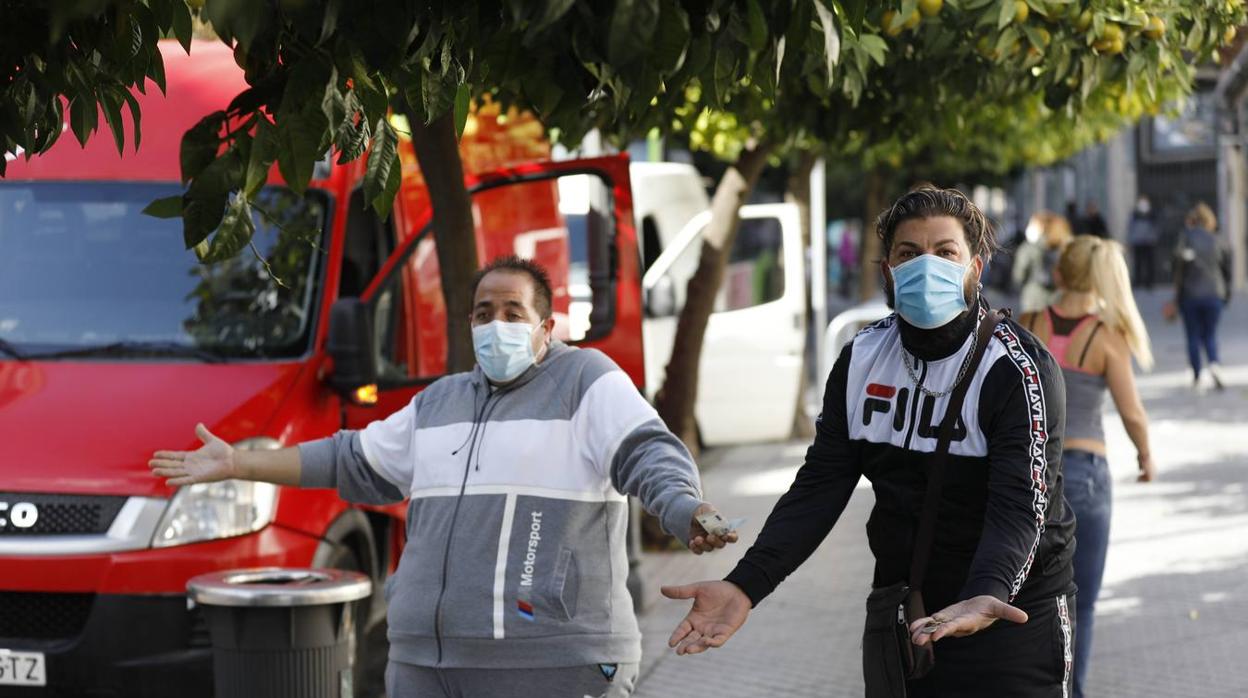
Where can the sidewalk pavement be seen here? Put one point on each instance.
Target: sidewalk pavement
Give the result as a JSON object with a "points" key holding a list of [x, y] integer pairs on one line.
{"points": [[1171, 620]]}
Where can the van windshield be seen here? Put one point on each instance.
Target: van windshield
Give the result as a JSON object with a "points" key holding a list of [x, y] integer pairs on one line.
{"points": [[84, 273]]}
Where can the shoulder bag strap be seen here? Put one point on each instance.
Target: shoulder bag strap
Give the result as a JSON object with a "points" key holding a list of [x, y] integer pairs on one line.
{"points": [[931, 501]]}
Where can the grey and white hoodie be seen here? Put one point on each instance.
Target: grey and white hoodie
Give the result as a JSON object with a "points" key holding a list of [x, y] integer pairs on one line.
{"points": [[515, 553]]}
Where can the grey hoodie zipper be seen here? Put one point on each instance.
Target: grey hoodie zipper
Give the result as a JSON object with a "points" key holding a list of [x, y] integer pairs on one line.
{"points": [[450, 534]]}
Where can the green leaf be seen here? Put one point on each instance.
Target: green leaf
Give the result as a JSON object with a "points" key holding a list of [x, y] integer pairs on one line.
{"points": [[1005, 13], [182, 26], [671, 40], [384, 201], [553, 12], [243, 20], [260, 160], [133, 104], [462, 102], [165, 207], [383, 157], [1006, 39], [83, 117], [329, 23], [235, 232], [352, 139], [631, 29], [200, 217], [200, 145], [756, 25], [855, 12], [437, 95], [112, 115], [831, 39], [875, 46], [298, 147]]}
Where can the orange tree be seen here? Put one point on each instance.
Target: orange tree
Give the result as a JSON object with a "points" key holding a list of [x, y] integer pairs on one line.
{"points": [[937, 90]]}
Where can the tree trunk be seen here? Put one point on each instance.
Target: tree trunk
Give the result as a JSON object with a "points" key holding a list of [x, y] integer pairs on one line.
{"points": [[798, 192], [437, 151], [675, 400], [870, 252]]}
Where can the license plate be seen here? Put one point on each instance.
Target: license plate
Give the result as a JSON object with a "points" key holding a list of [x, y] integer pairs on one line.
{"points": [[22, 668]]}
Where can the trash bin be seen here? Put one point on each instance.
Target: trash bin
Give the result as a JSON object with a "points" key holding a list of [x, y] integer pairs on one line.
{"points": [[280, 632]]}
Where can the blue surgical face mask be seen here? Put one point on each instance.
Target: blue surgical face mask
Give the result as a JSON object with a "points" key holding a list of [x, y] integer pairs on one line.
{"points": [[504, 349], [927, 291]]}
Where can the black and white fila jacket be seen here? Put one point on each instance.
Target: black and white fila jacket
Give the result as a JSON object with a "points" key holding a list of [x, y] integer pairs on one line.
{"points": [[1003, 528]]}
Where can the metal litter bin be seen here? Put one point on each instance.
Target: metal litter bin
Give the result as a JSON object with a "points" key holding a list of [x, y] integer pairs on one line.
{"points": [[280, 632]]}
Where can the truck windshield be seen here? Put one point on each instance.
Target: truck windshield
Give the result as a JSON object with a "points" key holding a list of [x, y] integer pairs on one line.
{"points": [[84, 273]]}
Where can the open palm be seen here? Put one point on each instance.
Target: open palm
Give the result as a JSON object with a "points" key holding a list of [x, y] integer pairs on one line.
{"points": [[719, 610], [211, 462]]}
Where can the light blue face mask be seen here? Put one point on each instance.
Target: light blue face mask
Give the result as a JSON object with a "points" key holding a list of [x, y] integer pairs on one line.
{"points": [[504, 349], [927, 291]]}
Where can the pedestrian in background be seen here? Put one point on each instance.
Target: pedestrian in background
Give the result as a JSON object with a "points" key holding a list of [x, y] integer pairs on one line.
{"points": [[1073, 218], [1046, 234], [1142, 236], [1202, 287], [1093, 222], [847, 255], [1093, 330]]}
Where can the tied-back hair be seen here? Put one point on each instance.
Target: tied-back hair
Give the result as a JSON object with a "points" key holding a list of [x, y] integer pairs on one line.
{"points": [[1091, 264], [1201, 216]]}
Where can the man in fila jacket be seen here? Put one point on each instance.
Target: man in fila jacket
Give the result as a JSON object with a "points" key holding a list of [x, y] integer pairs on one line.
{"points": [[1004, 537], [512, 580]]}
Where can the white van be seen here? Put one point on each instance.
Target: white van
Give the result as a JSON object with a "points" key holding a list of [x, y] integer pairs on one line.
{"points": [[750, 373], [666, 196]]}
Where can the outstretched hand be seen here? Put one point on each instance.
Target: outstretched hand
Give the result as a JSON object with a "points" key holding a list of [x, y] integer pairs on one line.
{"points": [[211, 462], [964, 618], [719, 610], [702, 541]]}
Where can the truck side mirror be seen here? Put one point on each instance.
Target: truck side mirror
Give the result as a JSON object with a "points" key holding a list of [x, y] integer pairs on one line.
{"points": [[350, 345], [661, 298]]}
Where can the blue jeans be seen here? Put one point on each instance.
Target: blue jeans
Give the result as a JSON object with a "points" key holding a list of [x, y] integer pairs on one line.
{"points": [[1200, 323], [1088, 489]]}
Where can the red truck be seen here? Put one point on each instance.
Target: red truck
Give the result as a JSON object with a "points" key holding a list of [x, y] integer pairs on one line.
{"points": [[114, 341]]}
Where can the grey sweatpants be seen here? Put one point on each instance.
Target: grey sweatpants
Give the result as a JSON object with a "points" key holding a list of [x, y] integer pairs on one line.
{"points": [[591, 681]]}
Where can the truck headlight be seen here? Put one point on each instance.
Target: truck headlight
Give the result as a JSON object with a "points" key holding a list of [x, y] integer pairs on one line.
{"points": [[209, 511]]}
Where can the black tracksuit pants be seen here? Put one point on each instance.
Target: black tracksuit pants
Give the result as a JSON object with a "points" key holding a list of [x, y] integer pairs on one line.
{"points": [[1032, 660]]}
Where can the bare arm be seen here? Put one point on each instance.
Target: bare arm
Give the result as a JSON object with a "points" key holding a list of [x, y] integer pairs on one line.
{"points": [[1121, 380], [217, 460]]}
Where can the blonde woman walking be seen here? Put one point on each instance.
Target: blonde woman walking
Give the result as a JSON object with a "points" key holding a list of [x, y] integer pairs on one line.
{"points": [[1093, 330]]}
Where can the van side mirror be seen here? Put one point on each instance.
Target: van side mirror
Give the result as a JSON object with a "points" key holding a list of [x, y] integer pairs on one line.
{"points": [[350, 345], [661, 298]]}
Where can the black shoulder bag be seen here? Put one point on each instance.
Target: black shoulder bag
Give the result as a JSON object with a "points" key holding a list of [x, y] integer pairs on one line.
{"points": [[889, 658]]}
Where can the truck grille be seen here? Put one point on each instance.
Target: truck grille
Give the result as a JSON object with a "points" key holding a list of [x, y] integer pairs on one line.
{"points": [[62, 514], [43, 616]]}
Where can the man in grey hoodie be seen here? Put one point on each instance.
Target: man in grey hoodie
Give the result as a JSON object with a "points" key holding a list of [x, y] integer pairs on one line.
{"points": [[512, 580]]}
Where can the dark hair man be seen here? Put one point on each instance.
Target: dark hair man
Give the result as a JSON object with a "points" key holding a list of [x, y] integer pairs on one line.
{"points": [[1003, 537], [512, 582]]}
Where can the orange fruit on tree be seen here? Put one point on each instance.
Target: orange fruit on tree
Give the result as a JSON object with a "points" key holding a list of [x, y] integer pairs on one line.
{"points": [[1083, 21], [930, 8], [1021, 11], [912, 21], [1111, 32], [1156, 28], [888, 24]]}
